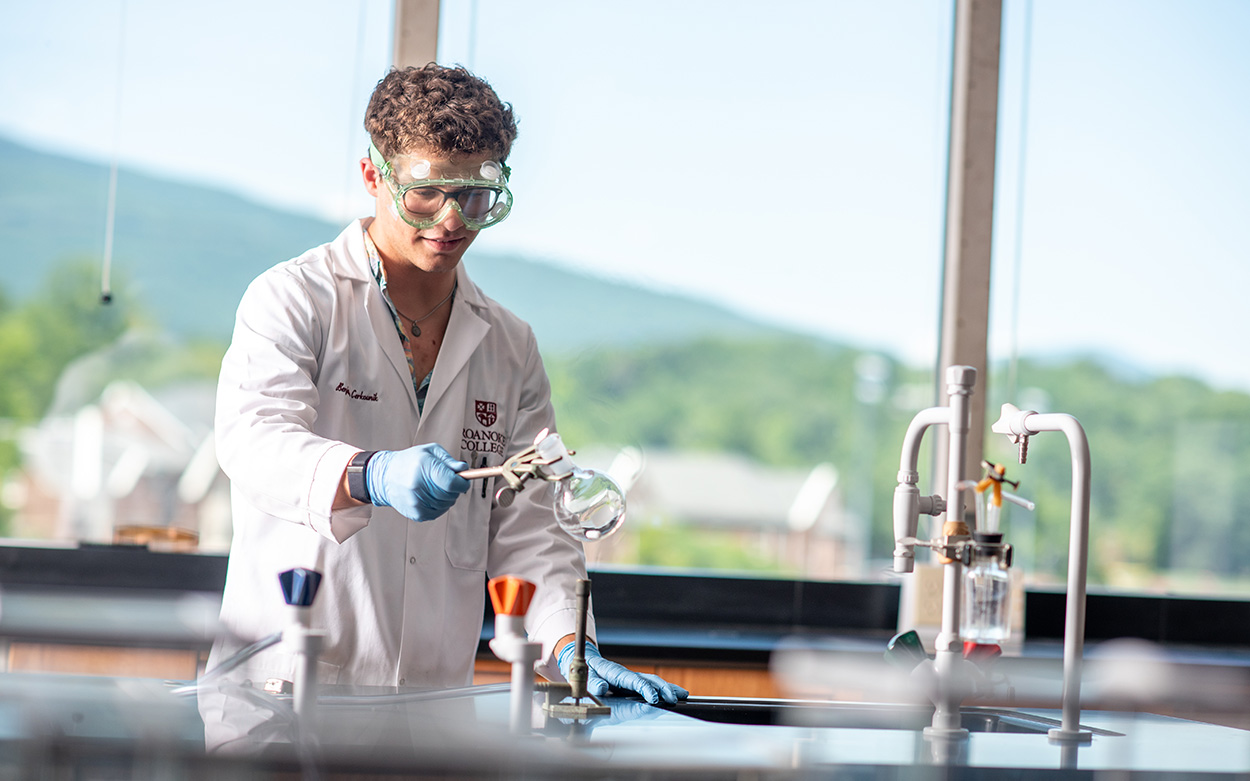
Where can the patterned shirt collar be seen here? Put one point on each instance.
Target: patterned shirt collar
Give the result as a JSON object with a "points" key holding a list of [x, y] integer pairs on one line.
{"points": [[379, 273], [422, 385]]}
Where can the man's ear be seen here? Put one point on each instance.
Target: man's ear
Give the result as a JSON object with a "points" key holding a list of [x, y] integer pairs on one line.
{"points": [[372, 177]]}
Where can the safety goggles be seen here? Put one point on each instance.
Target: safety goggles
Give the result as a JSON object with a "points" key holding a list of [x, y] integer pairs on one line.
{"points": [[481, 198]]}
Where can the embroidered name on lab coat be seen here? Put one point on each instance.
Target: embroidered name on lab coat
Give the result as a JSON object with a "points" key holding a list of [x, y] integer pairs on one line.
{"points": [[354, 394]]}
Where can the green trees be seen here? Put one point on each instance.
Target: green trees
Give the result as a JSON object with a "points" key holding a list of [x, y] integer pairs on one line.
{"points": [[39, 337], [1171, 456], [63, 323], [1171, 477]]}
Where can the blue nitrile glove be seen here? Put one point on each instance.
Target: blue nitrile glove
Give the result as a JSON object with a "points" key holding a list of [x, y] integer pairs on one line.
{"points": [[420, 482], [602, 674]]}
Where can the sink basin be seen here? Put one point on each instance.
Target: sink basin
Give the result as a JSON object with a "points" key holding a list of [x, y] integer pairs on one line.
{"points": [[857, 715]]}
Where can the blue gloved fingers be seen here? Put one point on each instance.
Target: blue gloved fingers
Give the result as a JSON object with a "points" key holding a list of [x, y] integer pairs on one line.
{"points": [[421, 482], [670, 692], [448, 471], [619, 676], [564, 660], [442, 485], [603, 674], [653, 688], [594, 684]]}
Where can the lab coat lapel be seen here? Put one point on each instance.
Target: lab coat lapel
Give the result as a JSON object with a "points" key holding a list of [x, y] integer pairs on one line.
{"points": [[354, 264], [383, 324], [465, 331]]}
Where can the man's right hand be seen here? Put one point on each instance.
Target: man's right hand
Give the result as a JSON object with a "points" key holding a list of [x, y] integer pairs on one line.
{"points": [[421, 482]]}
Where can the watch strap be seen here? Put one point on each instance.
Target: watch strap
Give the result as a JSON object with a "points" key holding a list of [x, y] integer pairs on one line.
{"points": [[357, 486]]}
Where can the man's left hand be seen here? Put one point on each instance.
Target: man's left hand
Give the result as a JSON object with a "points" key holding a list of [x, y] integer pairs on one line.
{"points": [[603, 675]]}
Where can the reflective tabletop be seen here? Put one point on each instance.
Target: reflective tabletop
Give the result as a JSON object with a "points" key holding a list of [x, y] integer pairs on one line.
{"points": [[52, 725]]}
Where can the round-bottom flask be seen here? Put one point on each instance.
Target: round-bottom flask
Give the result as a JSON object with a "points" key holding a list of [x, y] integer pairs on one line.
{"points": [[589, 505]]}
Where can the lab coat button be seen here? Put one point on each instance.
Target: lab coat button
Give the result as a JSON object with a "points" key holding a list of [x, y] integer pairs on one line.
{"points": [[412, 559], [401, 681]]}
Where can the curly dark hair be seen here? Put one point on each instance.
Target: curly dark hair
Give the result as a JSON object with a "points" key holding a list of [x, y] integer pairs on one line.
{"points": [[448, 110]]}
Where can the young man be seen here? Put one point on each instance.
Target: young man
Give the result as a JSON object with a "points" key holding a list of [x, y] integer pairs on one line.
{"points": [[362, 377]]}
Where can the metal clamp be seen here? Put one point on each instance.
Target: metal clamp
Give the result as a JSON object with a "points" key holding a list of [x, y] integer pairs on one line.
{"points": [[517, 470]]}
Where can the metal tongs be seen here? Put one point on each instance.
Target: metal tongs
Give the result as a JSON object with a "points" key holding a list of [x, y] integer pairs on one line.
{"points": [[548, 450]]}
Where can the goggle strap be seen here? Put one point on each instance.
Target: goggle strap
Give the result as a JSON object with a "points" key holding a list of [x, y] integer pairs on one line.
{"points": [[378, 160]]}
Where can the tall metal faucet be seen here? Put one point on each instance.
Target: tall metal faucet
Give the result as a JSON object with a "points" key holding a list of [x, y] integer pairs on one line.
{"points": [[908, 505], [1019, 425], [951, 682]]}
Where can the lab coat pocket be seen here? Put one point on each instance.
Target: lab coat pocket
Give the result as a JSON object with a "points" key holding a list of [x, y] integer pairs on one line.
{"points": [[468, 531], [327, 673]]}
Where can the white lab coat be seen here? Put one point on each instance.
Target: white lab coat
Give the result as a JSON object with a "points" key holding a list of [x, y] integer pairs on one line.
{"points": [[315, 372]]}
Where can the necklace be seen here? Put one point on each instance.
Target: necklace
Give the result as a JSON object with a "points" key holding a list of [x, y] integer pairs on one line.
{"points": [[416, 329]]}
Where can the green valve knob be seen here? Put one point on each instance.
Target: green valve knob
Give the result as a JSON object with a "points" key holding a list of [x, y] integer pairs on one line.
{"points": [[905, 650]]}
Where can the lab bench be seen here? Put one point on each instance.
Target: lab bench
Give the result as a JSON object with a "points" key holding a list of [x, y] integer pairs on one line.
{"points": [[643, 619], [124, 610], [82, 727]]}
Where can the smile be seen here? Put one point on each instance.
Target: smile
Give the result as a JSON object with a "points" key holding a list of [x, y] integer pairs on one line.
{"points": [[443, 245]]}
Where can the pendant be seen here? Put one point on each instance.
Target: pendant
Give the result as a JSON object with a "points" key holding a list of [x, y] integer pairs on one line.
{"points": [[415, 330]]}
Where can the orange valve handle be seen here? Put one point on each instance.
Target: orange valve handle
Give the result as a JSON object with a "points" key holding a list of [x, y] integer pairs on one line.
{"points": [[510, 595]]}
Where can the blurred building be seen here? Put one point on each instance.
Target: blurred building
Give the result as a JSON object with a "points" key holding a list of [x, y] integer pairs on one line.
{"points": [[131, 461], [794, 516]]}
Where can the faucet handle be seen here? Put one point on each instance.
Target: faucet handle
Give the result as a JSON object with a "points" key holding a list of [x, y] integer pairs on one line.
{"points": [[1011, 423], [510, 595], [1003, 424]]}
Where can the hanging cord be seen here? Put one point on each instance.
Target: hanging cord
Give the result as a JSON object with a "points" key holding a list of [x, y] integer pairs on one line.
{"points": [[472, 34], [106, 272], [351, 176], [106, 290], [1021, 156]]}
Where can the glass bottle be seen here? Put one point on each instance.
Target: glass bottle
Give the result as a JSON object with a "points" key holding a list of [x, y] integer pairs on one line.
{"points": [[986, 592]]}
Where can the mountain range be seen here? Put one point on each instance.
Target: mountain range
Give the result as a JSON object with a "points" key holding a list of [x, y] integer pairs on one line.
{"points": [[187, 252]]}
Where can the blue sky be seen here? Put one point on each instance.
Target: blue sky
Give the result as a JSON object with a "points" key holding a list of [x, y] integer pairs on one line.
{"points": [[787, 161], [1136, 183]]}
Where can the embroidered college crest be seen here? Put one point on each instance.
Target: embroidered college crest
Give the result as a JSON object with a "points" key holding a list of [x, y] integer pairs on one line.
{"points": [[486, 412]]}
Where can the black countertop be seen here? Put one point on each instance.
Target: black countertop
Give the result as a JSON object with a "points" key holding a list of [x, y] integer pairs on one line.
{"points": [[686, 616]]}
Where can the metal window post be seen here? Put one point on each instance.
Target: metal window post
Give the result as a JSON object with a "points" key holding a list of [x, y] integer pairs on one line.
{"points": [[416, 33], [969, 215]]}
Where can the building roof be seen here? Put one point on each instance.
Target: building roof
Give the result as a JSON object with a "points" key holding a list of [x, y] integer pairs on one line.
{"points": [[723, 490]]}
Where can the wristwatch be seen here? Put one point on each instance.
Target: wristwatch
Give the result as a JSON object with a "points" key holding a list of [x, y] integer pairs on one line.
{"points": [[356, 485]]}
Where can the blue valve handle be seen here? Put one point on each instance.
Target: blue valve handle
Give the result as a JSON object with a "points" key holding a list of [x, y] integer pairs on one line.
{"points": [[299, 586]]}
